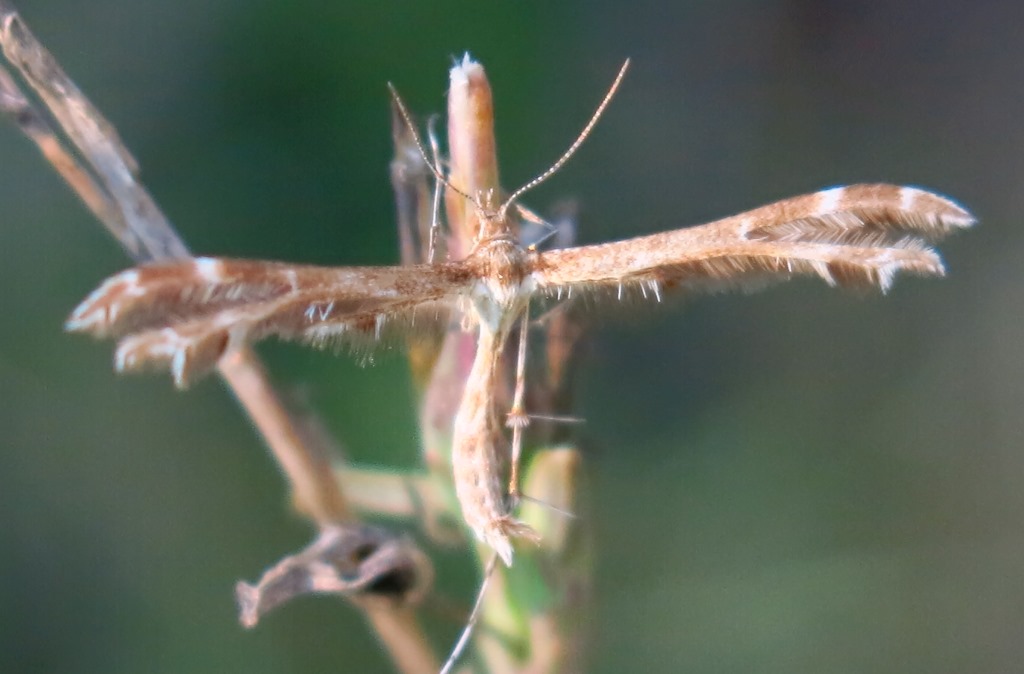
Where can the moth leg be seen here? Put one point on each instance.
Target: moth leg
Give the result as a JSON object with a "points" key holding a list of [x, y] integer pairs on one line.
{"points": [[517, 418]]}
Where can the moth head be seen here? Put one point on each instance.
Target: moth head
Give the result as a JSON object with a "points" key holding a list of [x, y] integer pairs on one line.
{"points": [[493, 217]]}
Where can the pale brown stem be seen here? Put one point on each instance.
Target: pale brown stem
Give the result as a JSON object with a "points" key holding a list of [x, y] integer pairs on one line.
{"points": [[399, 632], [38, 130], [132, 215], [315, 491], [472, 153]]}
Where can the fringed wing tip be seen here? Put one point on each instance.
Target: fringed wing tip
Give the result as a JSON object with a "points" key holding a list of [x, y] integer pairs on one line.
{"points": [[74, 323], [925, 213], [159, 349], [97, 312], [79, 321], [856, 277], [915, 209], [962, 219], [951, 216]]}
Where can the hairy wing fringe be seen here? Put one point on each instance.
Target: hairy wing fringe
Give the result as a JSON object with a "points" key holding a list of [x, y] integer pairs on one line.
{"points": [[846, 267], [193, 348], [859, 236]]}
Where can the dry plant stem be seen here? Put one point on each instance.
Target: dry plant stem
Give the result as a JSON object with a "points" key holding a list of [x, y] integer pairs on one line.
{"points": [[416, 217], [38, 130], [399, 631], [108, 186], [135, 220], [314, 488], [472, 151]]}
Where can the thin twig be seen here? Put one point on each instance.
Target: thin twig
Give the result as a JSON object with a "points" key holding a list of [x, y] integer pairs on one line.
{"points": [[399, 631], [138, 225], [309, 472]]}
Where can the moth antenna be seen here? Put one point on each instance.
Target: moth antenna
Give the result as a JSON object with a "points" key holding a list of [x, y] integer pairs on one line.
{"points": [[474, 616], [575, 145], [419, 144]]}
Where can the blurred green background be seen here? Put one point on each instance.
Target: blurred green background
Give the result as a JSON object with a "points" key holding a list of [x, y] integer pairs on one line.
{"points": [[801, 481]]}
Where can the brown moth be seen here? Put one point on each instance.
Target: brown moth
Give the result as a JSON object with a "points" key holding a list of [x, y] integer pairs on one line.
{"points": [[186, 315]]}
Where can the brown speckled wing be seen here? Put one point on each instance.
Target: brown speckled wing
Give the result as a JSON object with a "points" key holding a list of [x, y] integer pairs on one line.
{"points": [[185, 315], [856, 236]]}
